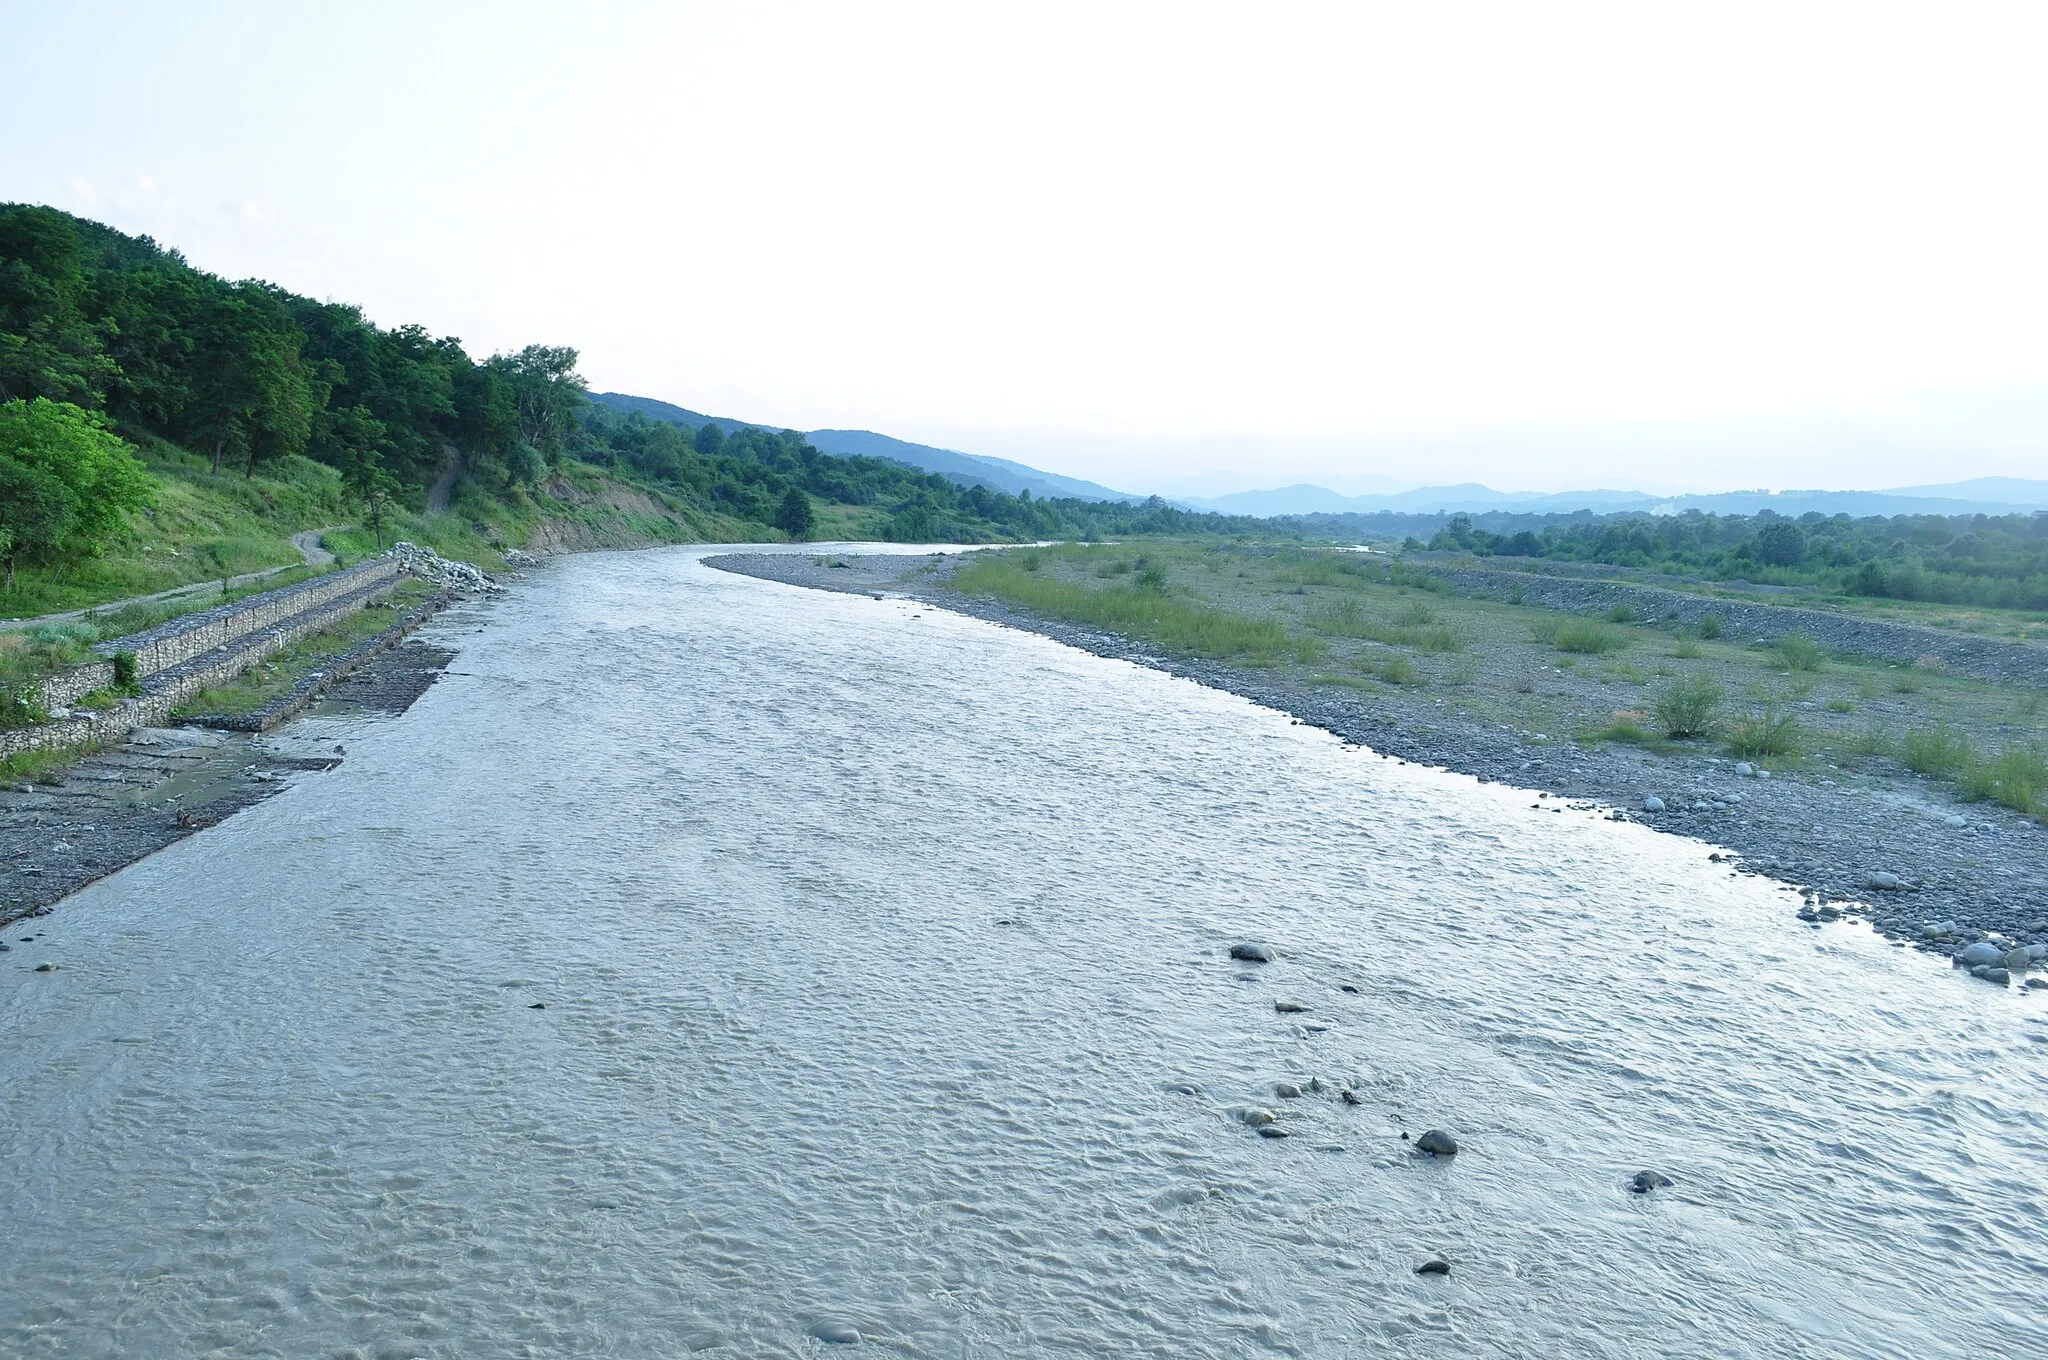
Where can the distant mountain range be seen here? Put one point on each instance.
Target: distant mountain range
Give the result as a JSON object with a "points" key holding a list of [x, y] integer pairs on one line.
{"points": [[1983, 495], [968, 469]]}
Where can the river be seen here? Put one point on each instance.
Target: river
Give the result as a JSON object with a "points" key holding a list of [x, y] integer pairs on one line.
{"points": [[710, 965]]}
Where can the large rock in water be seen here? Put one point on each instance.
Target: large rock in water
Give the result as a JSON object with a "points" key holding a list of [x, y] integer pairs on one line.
{"points": [[1251, 952], [1437, 1143], [1981, 952]]}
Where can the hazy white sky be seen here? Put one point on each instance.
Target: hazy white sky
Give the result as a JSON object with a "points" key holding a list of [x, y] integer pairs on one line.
{"points": [[1536, 245]]}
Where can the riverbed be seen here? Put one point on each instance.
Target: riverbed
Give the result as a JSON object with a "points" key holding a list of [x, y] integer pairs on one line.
{"points": [[711, 965]]}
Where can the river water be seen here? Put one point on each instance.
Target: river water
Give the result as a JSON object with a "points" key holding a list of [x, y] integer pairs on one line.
{"points": [[883, 962]]}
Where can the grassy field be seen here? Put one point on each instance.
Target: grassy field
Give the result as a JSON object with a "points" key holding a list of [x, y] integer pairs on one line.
{"points": [[1367, 622]]}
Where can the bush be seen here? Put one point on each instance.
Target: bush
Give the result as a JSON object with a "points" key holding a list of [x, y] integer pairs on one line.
{"points": [[1800, 653], [1399, 670], [1690, 706], [1686, 650], [1939, 752], [124, 670], [1586, 637], [1874, 741], [1767, 732], [1710, 627]]}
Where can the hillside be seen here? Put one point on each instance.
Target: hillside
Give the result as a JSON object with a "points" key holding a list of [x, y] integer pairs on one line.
{"points": [[963, 469]]}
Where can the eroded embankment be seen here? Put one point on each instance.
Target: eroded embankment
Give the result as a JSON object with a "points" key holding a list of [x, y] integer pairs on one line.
{"points": [[1834, 839]]}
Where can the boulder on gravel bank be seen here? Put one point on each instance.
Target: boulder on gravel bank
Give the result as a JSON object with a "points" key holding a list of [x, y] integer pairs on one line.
{"points": [[1251, 952], [1437, 1143], [1983, 952]]}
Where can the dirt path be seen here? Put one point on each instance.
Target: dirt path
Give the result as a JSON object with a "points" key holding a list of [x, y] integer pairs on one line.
{"points": [[307, 542], [439, 494]]}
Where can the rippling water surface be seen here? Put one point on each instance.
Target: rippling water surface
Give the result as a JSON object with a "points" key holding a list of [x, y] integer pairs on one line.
{"points": [[883, 961]]}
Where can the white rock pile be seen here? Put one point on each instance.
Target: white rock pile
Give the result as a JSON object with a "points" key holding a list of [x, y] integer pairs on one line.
{"points": [[429, 565]]}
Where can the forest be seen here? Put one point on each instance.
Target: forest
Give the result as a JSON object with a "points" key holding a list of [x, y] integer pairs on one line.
{"points": [[109, 340], [1995, 561]]}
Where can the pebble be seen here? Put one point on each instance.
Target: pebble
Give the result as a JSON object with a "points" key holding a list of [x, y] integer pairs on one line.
{"points": [[1653, 804], [46, 968], [1275, 1131], [1256, 1116], [1745, 769], [1251, 952], [1437, 1143], [1645, 1181], [1435, 1265], [1286, 1090], [1982, 952], [1882, 881], [2016, 960], [1997, 975], [1352, 1097], [538, 1006], [1286, 1007]]}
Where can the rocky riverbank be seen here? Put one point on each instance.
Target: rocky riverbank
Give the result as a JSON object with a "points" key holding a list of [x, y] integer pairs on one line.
{"points": [[1878, 844]]}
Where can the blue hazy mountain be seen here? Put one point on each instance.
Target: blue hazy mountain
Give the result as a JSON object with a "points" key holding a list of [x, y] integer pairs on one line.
{"points": [[968, 469], [1981, 495], [1984, 495]]}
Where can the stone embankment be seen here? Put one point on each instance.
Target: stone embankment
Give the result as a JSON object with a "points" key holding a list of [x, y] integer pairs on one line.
{"points": [[1980, 658], [177, 659]]}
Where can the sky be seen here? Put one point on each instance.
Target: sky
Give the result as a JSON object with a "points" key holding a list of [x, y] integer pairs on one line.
{"points": [[1180, 247]]}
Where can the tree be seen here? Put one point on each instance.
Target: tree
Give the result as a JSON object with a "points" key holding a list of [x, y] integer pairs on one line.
{"points": [[1780, 544], [546, 392], [35, 513], [71, 480], [794, 516]]}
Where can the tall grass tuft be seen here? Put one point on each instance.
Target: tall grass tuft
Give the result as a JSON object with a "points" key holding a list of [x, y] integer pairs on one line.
{"points": [[1583, 636], [1799, 652], [1939, 752], [1690, 706], [1765, 732], [2018, 779]]}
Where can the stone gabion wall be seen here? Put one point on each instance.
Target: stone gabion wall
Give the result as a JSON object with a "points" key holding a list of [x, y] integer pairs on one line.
{"points": [[171, 686], [194, 635], [61, 691]]}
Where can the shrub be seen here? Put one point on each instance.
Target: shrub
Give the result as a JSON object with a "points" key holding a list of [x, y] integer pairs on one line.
{"points": [[1686, 650], [1767, 732], [1840, 704], [124, 670], [1873, 741], [1710, 627], [1399, 670], [1588, 638], [1690, 706], [1152, 578], [1621, 613], [1939, 752], [1800, 653]]}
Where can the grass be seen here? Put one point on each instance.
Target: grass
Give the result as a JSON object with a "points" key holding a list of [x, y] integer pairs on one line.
{"points": [[1764, 732], [42, 767], [1585, 637], [2018, 778], [1416, 626], [1841, 704], [1939, 752], [1686, 650], [1399, 670], [1136, 611], [1799, 652], [1690, 706]]}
